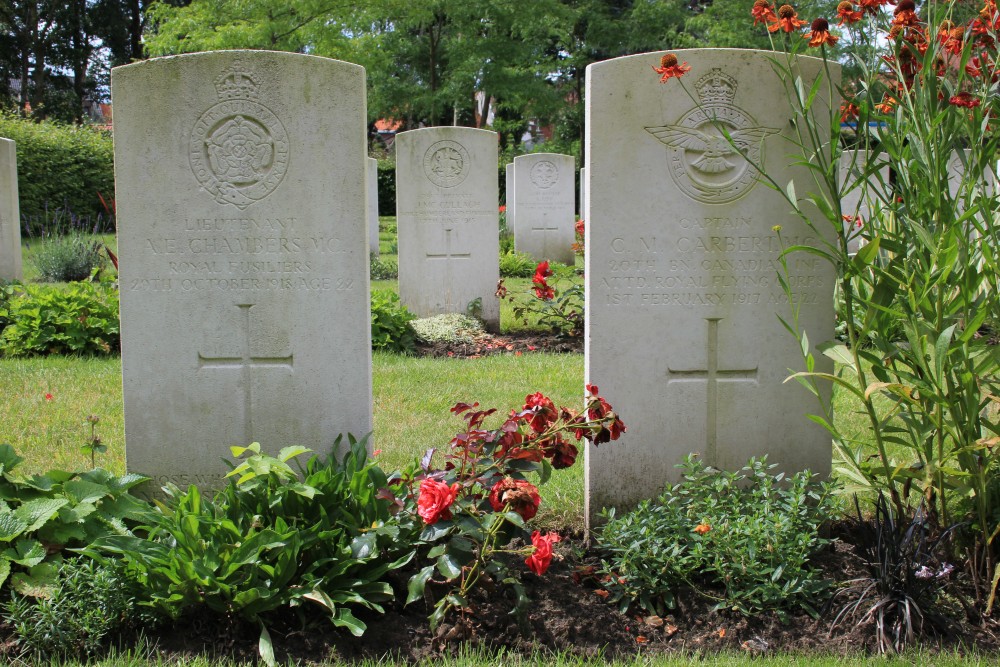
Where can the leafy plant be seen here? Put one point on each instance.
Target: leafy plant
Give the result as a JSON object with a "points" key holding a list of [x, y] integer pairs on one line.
{"points": [[270, 540], [905, 576], [391, 330], [749, 533], [88, 604], [474, 506], [515, 264], [383, 269], [44, 515], [62, 259], [561, 310], [80, 318]]}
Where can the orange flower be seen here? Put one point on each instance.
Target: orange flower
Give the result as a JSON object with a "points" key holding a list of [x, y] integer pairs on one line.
{"points": [[702, 528], [819, 33], [905, 13], [847, 13], [886, 105], [670, 68], [871, 6], [763, 12], [849, 110], [964, 100], [788, 20]]}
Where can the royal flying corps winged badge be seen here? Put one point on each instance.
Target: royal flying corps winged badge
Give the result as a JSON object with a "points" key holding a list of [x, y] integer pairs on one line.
{"points": [[704, 163]]}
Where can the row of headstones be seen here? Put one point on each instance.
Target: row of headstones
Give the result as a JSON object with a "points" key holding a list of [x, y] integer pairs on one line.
{"points": [[447, 217], [244, 280]]}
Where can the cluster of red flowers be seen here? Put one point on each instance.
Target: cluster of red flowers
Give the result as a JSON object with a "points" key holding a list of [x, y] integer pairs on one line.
{"points": [[580, 231], [481, 459], [542, 289]]}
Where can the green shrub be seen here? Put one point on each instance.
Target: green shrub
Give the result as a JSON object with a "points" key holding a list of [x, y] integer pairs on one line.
{"points": [[89, 603], [271, 540], [517, 264], [386, 187], [43, 515], [391, 330], [383, 269], [742, 538], [80, 318], [60, 166], [62, 259]]}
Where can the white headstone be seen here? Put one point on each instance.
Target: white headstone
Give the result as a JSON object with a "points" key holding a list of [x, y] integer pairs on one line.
{"points": [[509, 196], [861, 198], [372, 202], [243, 245], [683, 336], [10, 214], [446, 219], [544, 191], [583, 191]]}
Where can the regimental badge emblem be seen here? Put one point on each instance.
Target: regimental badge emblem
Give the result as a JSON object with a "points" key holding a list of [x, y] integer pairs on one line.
{"points": [[446, 163], [544, 174], [704, 163], [238, 147]]}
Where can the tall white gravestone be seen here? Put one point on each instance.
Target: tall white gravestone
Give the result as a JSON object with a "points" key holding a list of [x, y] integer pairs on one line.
{"points": [[544, 195], [10, 214], [372, 204], [509, 196], [446, 219], [683, 336], [859, 201], [242, 237]]}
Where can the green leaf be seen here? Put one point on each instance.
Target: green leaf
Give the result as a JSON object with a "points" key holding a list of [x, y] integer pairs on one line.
{"points": [[837, 351], [265, 648], [10, 526], [417, 583], [8, 458], [291, 452], [26, 553], [4, 570], [39, 582], [82, 491], [36, 513], [448, 566]]}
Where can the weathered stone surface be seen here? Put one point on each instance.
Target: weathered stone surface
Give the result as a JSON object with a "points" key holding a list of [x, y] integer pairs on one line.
{"points": [[544, 191], [683, 335], [372, 205], [243, 245], [446, 220], [509, 190], [859, 199], [10, 215]]}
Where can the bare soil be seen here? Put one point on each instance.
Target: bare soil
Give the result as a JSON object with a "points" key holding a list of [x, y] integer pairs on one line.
{"points": [[488, 344]]}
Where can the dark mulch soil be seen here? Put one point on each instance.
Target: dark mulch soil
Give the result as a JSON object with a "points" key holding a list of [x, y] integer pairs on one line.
{"points": [[568, 614]]}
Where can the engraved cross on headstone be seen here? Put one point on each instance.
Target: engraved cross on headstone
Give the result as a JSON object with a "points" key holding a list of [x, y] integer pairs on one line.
{"points": [[245, 362], [712, 374], [448, 255], [545, 228]]}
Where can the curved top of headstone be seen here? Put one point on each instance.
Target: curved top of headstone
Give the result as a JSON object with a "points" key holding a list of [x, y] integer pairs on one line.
{"points": [[448, 129], [256, 54], [733, 56]]}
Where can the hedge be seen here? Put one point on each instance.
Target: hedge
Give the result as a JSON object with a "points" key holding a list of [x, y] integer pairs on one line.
{"points": [[60, 166]]}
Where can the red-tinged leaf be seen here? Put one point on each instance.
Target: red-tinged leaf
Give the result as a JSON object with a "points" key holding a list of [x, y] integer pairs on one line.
{"points": [[641, 640], [425, 462], [670, 630], [600, 592]]}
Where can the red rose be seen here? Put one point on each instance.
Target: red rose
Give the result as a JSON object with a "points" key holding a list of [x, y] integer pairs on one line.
{"points": [[435, 499], [542, 409], [538, 562], [562, 453], [521, 496], [541, 272]]}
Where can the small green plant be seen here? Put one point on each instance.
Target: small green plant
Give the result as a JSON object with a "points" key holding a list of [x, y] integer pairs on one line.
{"points": [[561, 310], [741, 538], [516, 264], [89, 603], [391, 330], [80, 318], [383, 269], [63, 259], [271, 540], [43, 515]]}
